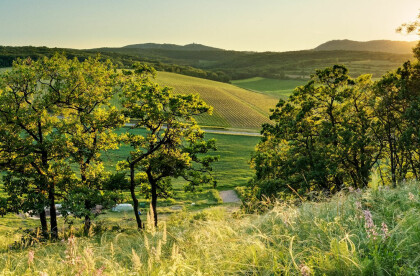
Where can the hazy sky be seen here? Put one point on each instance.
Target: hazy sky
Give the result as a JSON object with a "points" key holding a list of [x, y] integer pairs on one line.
{"points": [[257, 25]]}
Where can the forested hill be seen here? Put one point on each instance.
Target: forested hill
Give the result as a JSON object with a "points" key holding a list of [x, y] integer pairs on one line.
{"points": [[224, 65], [278, 65], [166, 46], [9, 53], [386, 46]]}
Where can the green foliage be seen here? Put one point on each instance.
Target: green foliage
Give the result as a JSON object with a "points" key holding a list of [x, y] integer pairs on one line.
{"points": [[321, 139], [174, 146], [334, 130]]}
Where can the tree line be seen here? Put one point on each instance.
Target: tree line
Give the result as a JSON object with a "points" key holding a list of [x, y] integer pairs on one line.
{"points": [[57, 118], [339, 132]]}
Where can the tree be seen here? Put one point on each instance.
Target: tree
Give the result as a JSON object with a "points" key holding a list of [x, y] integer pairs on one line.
{"points": [[172, 140], [54, 113], [88, 123], [180, 159], [322, 138], [30, 146]]}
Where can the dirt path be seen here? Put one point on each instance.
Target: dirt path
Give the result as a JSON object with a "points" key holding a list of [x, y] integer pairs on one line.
{"points": [[219, 131], [229, 196]]}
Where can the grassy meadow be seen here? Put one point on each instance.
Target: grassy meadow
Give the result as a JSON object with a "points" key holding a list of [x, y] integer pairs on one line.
{"points": [[368, 232], [272, 87], [232, 170]]}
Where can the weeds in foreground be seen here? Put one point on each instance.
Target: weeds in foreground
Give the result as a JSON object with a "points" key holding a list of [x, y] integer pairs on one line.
{"points": [[372, 232]]}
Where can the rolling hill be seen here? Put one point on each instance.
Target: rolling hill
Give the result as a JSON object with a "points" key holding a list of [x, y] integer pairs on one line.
{"points": [[276, 65], [234, 107], [386, 46]]}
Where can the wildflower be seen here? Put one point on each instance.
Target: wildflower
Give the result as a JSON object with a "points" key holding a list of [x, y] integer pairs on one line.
{"points": [[369, 225], [100, 271], [358, 205], [385, 232], [351, 189], [71, 252], [304, 270], [411, 197], [31, 256]]}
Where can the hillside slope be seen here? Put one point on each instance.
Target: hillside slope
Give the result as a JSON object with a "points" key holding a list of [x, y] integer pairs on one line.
{"points": [[387, 46], [234, 107]]}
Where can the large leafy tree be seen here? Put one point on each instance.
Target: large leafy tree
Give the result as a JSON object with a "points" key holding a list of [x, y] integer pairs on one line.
{"points": [[172, 140], [322, 139], [55, 113], [88, 122], [31, 150]]}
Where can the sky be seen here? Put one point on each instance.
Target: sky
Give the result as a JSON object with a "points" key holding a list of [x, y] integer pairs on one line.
{"points": [[246, 25]]}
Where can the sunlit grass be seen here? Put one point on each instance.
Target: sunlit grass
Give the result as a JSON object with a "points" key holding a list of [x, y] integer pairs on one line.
{"points": [[320, 238]]}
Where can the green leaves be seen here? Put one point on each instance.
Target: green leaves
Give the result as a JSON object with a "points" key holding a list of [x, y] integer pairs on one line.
{"points": [[174, 144], [322, 136]]}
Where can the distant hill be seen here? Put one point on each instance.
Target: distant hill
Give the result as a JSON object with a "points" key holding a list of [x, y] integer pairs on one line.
{"points": [[224, 65], [165, 46], [387, 46]]}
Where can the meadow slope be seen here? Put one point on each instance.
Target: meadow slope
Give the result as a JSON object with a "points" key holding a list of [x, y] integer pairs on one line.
{"points": [[234, 107]]}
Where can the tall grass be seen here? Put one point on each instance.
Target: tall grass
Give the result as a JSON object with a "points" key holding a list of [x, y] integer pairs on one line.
{"points": [[372, 232]]}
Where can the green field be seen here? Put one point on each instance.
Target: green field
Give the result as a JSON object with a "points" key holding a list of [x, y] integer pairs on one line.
{"points": [[230, 171], [234, 107], [273, 87]]}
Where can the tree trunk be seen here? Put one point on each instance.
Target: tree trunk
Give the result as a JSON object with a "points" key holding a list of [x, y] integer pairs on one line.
{"points": [[134, 198], [44, 224], [154, 202], [153, 186], [86, 228], [88, 223], [53, 213]]}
